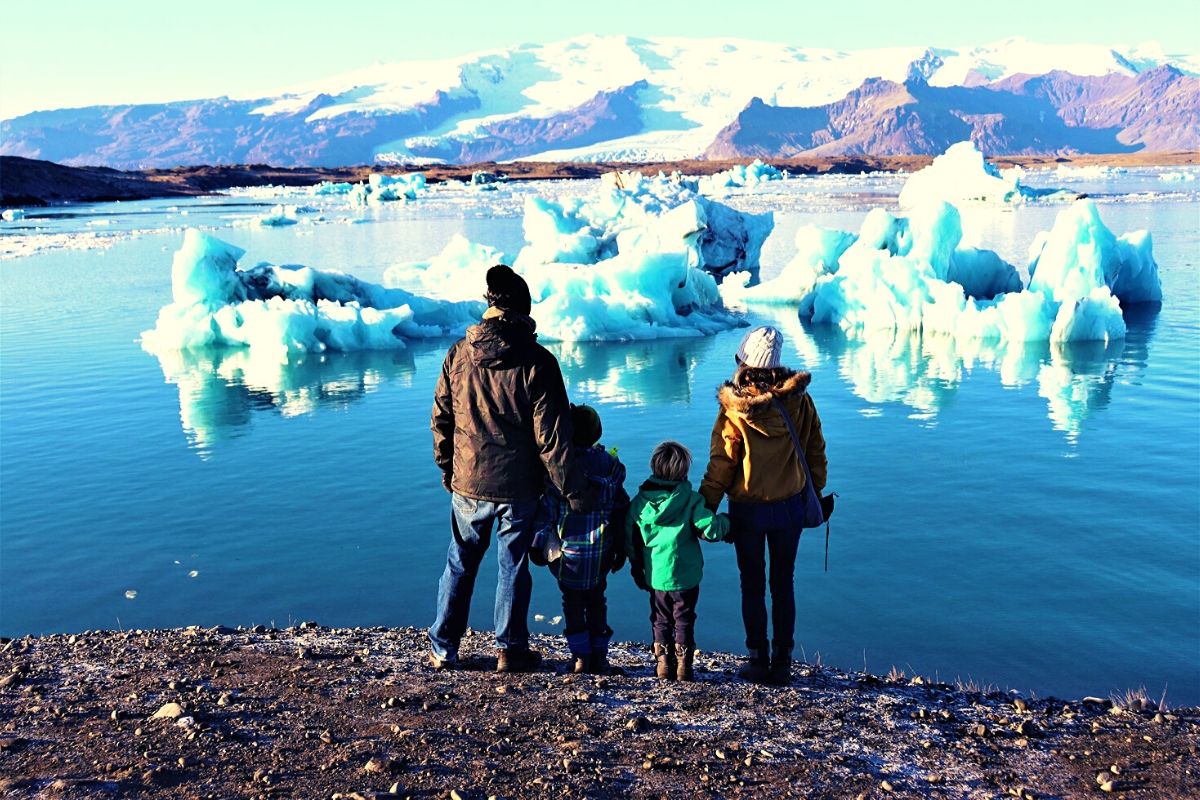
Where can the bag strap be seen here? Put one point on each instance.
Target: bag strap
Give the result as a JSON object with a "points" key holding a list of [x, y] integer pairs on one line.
{"points": [[787, 418]]}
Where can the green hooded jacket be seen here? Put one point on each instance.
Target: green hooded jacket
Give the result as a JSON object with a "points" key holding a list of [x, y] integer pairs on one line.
{"points": [[663, 529]]}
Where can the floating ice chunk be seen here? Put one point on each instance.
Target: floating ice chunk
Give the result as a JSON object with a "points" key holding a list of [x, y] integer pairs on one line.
{"points": [[381, 188], [330, 187], [277, 217], [12, 214], [539, 617], [632, 210], [555, 620], [194, 573], [1090, 172], [817, 252], [910, 274], [130, 594], [1177, 177], [1080, 254], [962, 175], [457, 273], [739, 177], [289, 308]]}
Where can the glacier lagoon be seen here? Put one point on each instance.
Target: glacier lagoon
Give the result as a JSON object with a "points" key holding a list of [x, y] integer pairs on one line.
{"points": [[1023, 516]]}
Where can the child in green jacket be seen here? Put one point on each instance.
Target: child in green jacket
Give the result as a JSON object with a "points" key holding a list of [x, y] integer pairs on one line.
{"points": [[666, 521]]}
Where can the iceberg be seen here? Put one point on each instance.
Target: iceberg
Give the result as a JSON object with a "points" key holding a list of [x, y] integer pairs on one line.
{"points": [[331, 188], [741, 176], [1080, 254], [381, 188], [634, 261], [962, 175], [633, 211], [12, 214], [278, 217], [287, 309], [911, 274]]}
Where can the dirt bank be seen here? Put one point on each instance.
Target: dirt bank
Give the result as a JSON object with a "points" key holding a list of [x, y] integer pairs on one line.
{"points": [[312, 712], [28, 182]]}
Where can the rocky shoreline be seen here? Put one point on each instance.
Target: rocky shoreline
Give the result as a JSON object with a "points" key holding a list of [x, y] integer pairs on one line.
{"points": [[311, 712], [33, 183]]}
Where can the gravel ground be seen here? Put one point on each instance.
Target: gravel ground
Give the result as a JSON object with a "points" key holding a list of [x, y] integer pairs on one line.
{"points": [[314, 712]]}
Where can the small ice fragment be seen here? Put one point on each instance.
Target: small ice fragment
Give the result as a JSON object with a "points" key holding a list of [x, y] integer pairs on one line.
{"points": [[193, 573], [13, 214], [539, 617], [555, 620], [130, 594], [177, 561]]}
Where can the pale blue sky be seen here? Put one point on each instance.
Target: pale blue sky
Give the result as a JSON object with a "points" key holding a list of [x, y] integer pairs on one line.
{"points": [[61, 53]]}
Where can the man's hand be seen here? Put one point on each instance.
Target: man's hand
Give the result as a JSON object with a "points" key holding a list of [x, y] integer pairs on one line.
{"points": [[446, 479], [618, 561]]}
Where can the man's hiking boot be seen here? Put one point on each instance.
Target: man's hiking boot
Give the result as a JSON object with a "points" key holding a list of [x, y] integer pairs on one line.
{"points": [[780, 673], [518, 660], [665, 657], [756, 669], [439, 663], [683, 659]]}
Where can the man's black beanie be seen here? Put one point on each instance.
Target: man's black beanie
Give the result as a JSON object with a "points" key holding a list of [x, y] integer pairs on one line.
{"points": [[507, 291]]}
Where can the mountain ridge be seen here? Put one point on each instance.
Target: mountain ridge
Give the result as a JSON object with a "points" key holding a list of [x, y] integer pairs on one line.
{"points": [[605, 98]]}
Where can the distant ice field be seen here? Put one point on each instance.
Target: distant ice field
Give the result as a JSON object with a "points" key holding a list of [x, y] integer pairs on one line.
{"points": [[1026, 517]]}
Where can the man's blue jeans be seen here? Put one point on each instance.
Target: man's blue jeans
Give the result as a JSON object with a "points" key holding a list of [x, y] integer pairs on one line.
{"points": [[471, 524]]}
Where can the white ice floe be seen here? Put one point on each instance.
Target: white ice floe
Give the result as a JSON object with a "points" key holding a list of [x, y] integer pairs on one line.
{"points": [[1177, 177], [910, 274], [289, 309], [12, 214], [962, 175], [381, 188], [278, 217], [741, 176]]}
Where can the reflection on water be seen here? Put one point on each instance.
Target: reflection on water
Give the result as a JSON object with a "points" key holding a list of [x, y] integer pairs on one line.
{"points": [[924, 372], [221, 389], [647, 373]]}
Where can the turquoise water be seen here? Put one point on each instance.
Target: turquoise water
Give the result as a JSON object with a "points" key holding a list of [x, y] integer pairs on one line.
{"points": [[1026, 519]]}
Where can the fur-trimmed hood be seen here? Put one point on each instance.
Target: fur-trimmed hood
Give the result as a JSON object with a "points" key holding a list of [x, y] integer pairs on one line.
{"points": [[749, 399]]}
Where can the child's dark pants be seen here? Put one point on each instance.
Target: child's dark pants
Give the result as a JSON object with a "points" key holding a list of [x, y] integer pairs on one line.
{"points": [[673, 616], [585, 611]]}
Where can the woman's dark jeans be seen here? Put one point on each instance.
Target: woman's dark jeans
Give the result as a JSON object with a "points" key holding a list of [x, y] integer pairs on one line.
{"points": [[762, 529]]}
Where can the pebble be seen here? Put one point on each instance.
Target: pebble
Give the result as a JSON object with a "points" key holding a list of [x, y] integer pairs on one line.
{"points": [[637, 724], [168, 711], [887, 786], [1020, 705]]}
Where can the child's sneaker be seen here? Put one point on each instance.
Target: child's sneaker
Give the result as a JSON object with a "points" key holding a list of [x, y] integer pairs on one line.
{"points": [[580, 664]]}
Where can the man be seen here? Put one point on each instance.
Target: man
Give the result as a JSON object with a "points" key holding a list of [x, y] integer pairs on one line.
{"points": [[501, 423]]}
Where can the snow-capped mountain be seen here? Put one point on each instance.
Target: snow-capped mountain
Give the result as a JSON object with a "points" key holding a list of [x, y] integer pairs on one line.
{"points": [[589, 98]]}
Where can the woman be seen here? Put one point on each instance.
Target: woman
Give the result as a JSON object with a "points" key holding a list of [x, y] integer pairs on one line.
{"points": [[753, 460]]}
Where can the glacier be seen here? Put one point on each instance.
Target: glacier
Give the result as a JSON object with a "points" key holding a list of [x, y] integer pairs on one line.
{"points": [[911, 274]]}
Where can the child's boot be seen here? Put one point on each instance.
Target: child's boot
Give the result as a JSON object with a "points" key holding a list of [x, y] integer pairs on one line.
{"points": [[684, 654], [581, 651], [598, 664], [665, 656]]}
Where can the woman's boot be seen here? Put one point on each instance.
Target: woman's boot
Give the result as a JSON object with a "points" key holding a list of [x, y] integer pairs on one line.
{"points": [[781, 668], [665, 656], [683, 662], [757, 667]]}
